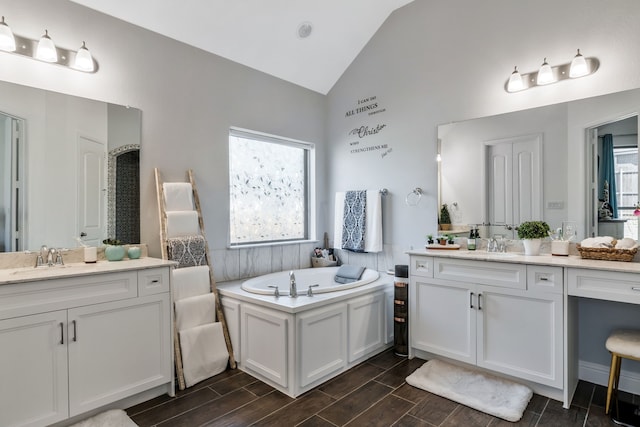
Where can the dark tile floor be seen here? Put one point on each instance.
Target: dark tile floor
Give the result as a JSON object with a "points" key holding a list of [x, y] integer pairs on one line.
{"points": [[371, 394]]}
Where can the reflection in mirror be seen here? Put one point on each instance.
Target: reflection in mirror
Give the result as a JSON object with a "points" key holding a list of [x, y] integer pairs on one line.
{"points": [[492, 168], [61, 191], [613, 178], [479, 183]]}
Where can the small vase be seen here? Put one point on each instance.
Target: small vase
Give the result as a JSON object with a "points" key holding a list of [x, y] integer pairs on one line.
{"points": [[532, 246], [114, 252], [134, 252]]}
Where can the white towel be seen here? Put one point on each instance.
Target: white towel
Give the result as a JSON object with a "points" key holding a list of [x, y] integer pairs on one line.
{"points": [[597, 242], [195, 311], [204, 352], [182, 223], [178, 196], [190, 282], [373, 221], [626, 243]]}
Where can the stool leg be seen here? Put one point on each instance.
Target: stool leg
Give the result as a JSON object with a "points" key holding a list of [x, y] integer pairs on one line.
{"points": [[613, 370]]}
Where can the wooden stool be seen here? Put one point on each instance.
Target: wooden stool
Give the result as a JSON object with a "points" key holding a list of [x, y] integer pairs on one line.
{"points": [[623, 343]]}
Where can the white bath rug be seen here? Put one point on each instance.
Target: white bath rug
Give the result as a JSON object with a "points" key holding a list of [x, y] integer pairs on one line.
{"points": [[111, 418], [495, 396]]}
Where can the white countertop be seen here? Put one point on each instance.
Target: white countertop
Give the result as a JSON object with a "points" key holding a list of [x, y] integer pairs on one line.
{"points": [[29, 274], [543, 259]]}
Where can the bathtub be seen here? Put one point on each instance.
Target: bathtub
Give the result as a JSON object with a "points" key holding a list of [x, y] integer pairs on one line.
{"points": [[296, 344], [323, 277]]}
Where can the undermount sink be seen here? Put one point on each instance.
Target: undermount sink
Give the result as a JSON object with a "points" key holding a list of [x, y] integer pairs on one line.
{"points": [[492, 254]]}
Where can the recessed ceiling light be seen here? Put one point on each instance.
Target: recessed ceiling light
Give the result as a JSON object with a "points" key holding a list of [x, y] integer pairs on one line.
{"points": [[304, 30]]}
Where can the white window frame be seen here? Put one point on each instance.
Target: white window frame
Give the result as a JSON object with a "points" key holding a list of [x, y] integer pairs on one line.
{"points": [[310, 192]]}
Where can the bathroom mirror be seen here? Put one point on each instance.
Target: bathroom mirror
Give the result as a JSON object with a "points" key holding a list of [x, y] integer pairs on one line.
{"points": [[70, 170], [555, 187]]}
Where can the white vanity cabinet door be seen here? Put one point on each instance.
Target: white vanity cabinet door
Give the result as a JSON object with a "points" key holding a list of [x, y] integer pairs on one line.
{"points": [[33, 370], [117, 349], [443, 318], [520, 334]]}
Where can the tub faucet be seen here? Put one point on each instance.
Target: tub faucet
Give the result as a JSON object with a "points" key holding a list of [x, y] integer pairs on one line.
{"points": [[293, 290]]}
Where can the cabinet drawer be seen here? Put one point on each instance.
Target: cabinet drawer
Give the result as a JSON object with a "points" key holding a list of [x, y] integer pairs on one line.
{"points": [[607, 285], [421, 266], [481, 272], [544, 279], [153, 281], [21, 299]]}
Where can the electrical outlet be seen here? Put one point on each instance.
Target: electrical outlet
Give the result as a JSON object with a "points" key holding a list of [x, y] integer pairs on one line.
{"points": [[556, 204]]}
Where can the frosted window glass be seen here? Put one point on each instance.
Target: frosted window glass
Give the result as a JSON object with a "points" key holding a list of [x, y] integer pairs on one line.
{"points": [[268, 197]]}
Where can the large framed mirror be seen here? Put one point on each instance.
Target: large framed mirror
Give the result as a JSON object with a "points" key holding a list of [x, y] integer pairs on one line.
{"points": [[545, 163], [70, 170]]}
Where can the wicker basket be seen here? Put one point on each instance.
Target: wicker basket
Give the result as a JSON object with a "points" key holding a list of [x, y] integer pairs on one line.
{"points": [[607, 254], [322, 262]]}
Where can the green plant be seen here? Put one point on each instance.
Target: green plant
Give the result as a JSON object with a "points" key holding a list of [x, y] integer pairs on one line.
{"points": [[429, 238], [533, 230], [112, 242], [445, 218]]}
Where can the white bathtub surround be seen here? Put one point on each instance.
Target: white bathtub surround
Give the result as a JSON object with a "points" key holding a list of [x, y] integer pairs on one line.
{"points": [[322, 280], [295, 344]]}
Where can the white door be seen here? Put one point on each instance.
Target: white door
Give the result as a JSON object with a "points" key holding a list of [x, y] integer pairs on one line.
{"points": [[33, 368], [91, 191], [514, 180]]}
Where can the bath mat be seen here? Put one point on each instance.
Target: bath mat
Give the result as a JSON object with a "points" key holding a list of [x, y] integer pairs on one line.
{"points": [[111, 418], [495, 396]]}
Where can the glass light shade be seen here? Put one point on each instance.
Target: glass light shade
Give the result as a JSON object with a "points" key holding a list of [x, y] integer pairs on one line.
{"points": [[578, 66], [84, 60], [545, 74], [515, 81], [7, 41], [46, 49]]}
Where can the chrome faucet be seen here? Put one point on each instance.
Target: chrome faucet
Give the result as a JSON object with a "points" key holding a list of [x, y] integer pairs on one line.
{"points": [[293, 290]]}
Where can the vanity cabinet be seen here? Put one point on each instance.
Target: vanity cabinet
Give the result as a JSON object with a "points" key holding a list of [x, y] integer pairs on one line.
{"points": [[102, 343], [499, 316]]}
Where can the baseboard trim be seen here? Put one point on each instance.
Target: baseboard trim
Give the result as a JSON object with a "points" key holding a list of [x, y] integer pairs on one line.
{"points": [[599, 374]]}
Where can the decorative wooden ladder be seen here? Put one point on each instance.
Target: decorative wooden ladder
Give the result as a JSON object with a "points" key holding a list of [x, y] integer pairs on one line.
{"points": [[212, 283]]}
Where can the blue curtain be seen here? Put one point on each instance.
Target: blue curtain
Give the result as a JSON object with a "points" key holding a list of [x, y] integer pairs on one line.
{"points": [[608, 173]]}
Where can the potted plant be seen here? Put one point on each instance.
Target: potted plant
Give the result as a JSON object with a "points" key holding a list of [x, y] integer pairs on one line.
{"points": [[445, 218], [532, 233], [450, 239], [113, 251], [442, 240], [429, 239]]}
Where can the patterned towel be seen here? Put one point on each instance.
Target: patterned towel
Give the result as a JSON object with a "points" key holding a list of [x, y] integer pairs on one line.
{"points": [[187, 251], [354, 218]]}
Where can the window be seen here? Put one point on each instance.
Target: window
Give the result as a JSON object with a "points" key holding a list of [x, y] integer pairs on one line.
{"points": [[269, 186], [626, 167]]}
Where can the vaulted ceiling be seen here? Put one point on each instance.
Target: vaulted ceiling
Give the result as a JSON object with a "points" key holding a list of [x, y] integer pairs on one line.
{"points": [[265, 34]]}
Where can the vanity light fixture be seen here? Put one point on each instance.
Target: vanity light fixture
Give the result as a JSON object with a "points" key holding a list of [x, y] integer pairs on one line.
{"points": [[7, 41], [45, 50], [578, 67], [547, 74]]}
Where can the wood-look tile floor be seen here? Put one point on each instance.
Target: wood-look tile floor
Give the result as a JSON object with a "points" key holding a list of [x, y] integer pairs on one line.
{"points": [[373, 393]]}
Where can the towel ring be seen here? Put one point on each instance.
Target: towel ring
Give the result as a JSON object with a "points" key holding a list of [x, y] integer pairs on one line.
{"points": [[414, 197]]}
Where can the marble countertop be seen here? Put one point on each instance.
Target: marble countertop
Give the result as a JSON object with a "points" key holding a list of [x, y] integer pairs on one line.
{"points": [[542, 259], [29, 274]]}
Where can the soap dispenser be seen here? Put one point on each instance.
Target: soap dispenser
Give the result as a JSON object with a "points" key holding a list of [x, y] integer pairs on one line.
{"points": [[471, 241]]}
